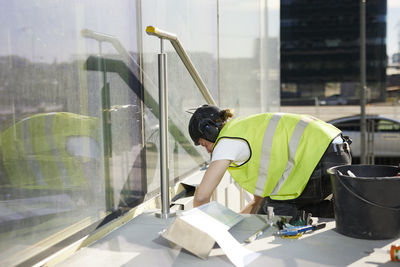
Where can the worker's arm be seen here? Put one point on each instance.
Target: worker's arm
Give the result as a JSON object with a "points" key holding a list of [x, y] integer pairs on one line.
{"points": [[253, 205], [210, 181]]}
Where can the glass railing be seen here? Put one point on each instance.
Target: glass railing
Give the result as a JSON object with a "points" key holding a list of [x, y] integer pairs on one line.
{"points": [[79, 111]]}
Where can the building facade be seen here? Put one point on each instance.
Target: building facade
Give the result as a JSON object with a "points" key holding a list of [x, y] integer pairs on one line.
{"points": [[320, 50]]}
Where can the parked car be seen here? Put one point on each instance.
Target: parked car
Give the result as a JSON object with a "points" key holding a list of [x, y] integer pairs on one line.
{"points": [[333, 100], [383, 137]]}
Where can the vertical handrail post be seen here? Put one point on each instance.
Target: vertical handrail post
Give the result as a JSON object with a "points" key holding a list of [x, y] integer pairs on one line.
{"points": [[162, 80], [163, 121]]}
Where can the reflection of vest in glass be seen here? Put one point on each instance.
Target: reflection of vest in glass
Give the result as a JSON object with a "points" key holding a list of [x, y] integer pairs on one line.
{"points": [[285, 149], [35, 152]]}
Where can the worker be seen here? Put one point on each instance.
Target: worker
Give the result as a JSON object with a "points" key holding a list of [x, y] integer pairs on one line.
{"points": [[280, 158]]}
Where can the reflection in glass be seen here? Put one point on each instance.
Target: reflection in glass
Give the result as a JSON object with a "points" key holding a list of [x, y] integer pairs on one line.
{"points": [[71, 150], [79, 135], [249, 65], [195, 24]]}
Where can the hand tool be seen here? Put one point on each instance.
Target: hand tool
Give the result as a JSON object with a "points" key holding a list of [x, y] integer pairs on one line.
{"points": [[292, 231], [258, 233], [268, 223]]}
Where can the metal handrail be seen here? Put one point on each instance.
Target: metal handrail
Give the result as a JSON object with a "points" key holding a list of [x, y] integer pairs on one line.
{"points": [[163, 92], [185, 59]]}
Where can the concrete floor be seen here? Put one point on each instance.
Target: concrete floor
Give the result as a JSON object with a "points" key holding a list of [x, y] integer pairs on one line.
{"points": [[138, 243]]}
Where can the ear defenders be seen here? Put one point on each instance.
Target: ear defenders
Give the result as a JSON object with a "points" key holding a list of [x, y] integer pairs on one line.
{"points": [[203, 124], [209, 129]]}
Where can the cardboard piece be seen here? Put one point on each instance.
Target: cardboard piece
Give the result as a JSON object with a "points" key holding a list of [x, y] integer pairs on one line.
{"points": [[183, 233], [190, 238]]}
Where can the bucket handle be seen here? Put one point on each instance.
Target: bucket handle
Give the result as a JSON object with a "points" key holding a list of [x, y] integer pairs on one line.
{"points": [[362, 198]]}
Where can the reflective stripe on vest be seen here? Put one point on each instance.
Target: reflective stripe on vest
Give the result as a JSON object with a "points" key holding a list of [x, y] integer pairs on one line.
{"points": [[25, 133], [293, 144], [266, 153], [48, 125]]}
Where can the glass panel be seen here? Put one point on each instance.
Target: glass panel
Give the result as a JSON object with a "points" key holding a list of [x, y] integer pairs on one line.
{"points": [[195, 24], [387, 126], [249, 43], [79, 134], [351, 125], [70, 119]]}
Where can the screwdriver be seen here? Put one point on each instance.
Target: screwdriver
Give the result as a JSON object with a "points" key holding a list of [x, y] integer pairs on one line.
{"points": [[268, 223], [301, 229], [258, 233]]}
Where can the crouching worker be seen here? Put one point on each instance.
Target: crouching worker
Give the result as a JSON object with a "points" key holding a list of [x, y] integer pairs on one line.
{"points": [[280, 158]]}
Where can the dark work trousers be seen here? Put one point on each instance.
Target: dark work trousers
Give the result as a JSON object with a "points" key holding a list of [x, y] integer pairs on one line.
{"points": [[316, 197]]}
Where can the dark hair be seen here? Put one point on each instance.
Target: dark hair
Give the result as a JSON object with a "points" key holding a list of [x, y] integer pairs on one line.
{"points": [[226, 114], [207, 121]]}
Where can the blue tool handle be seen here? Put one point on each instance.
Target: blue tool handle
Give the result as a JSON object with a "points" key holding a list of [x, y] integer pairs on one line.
{"points": [[301, 229], [295, 230]]}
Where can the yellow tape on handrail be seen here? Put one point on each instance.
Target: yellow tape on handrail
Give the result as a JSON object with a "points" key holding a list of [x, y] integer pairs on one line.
{"points": [[150, 29], [161, 34]]}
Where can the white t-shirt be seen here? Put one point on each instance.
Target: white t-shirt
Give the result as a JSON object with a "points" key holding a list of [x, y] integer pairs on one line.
{"points": [[236, 150]]}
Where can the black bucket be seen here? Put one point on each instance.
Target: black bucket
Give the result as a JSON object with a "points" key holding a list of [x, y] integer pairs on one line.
{"points": [[366, 200]]}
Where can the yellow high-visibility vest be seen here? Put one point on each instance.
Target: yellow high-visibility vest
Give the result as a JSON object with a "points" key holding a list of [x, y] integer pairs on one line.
{"points": [[284, 151], [35, 153]]}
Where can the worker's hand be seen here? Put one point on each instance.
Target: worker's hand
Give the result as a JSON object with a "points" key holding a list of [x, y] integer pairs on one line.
{"points": [[210, 181], [253, 205]]}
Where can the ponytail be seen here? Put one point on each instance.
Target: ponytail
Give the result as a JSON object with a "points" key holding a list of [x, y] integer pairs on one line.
{"points": [[225, 115]]}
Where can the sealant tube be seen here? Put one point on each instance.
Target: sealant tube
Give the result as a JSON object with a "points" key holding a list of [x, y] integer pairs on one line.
{"points": [[395, 252]]}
